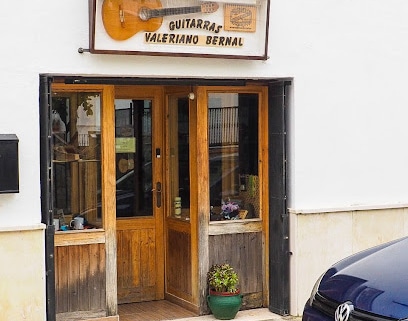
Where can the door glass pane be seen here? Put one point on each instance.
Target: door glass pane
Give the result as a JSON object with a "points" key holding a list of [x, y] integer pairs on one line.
{"points": [[179, 163], [233, 156], [76, 172], [133, 122]]}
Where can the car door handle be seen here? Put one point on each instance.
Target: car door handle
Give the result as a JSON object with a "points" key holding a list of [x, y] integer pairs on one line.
{"points": [[158, 194]]}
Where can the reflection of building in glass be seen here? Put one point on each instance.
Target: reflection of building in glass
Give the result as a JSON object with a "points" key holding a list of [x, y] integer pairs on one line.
{"points": [[233, 150], [88, 123], [76, 159]]}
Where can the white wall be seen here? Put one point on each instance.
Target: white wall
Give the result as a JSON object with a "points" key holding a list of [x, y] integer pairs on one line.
{"points": [[347, 58], [349, 102]]}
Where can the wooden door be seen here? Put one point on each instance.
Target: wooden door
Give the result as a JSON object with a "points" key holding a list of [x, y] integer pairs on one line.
{"points": [[139, 193], [182, 179]]}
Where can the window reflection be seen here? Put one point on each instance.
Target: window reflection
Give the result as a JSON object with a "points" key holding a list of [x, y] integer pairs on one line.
{"points": [[133, 132], [233, 156], [76, 172], [179, 148]]}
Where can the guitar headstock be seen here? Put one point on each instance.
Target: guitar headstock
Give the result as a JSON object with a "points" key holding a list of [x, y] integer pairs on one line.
{"points": [[209, 7]]}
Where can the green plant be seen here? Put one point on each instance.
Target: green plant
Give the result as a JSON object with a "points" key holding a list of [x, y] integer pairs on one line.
{"points": [[222, 278]]}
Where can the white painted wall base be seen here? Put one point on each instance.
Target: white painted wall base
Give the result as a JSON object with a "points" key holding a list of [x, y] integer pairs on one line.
{"points": [[320, 239], [22, 274]]}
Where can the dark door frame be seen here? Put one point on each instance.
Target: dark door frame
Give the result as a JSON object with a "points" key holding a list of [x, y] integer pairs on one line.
{"points": [[278, 213], [46, 199]]}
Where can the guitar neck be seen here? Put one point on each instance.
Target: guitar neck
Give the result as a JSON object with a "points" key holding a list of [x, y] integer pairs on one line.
{"points": [[156, 13]]}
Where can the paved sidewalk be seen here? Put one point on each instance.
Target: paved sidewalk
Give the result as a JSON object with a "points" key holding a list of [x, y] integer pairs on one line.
{"points": [[247, 315]]}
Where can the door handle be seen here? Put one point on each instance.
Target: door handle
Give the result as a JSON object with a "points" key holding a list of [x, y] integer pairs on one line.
{"points": [[158, 194]]}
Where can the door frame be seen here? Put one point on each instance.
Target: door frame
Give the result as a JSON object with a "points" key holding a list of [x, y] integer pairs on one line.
{"points": [[279, 281], [189, 229], [108, 157], [205, 229]]}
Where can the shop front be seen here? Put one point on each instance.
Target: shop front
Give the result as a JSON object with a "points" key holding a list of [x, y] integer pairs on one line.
{"points": [[153, 114], [142, 177]]}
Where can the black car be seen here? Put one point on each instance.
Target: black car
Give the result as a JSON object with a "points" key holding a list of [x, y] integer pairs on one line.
{"points": [[370, 285]]}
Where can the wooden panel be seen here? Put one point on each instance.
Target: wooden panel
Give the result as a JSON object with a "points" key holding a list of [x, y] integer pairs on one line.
{"points": [[179, 265], [91, 187], [85, 316], [238, 226], [264, 186], [201, 201], [91, 236], [80, 278], [244, 252], [137, 265], [109, 197], [195, 179]]}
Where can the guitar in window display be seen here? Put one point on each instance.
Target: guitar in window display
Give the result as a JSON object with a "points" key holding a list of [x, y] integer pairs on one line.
{"points": [[123, 19]]}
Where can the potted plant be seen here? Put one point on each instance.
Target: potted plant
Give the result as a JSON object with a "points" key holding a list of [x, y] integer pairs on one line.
{"points": [[224, 297], [230, 210]]}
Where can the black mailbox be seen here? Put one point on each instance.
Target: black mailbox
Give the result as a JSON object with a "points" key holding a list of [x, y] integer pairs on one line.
{"points": [[9, 163]]}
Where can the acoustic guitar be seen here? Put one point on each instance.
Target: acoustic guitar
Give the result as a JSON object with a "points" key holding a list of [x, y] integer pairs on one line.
{"points": [[124, 18]]}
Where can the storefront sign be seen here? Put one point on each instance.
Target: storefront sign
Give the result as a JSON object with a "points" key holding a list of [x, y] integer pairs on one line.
{"points": [[225, 28]]}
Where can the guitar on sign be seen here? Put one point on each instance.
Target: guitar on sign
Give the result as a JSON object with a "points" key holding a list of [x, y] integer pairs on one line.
{"points": [[122, 19]]}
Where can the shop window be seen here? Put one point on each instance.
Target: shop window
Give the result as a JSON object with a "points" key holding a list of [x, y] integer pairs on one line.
{"points": [[76, 154], [233, 156]]}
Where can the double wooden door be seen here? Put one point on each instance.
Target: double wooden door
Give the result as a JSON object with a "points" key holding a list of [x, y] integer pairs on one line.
{"points": [[152, 171]]}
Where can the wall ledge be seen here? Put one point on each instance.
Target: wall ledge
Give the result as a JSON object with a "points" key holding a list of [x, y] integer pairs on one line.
{"points": [[347, 209], [4, 229]]}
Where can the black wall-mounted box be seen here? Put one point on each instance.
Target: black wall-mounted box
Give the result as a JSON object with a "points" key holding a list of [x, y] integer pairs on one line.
{"points": [[9, 177]]}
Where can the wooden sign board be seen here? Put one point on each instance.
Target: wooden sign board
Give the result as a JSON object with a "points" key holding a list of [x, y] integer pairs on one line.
{"points": [[219, 29]]}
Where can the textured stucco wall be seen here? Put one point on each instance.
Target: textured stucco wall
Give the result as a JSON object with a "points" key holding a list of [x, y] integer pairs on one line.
{"points": [[22, 274]]}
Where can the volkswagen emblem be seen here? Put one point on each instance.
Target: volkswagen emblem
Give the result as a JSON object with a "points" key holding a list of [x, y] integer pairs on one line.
{"points": [[343, 312]]}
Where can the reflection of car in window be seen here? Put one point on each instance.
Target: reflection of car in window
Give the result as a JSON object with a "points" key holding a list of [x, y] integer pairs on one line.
{"points": [[224, 177], [125, 193]]}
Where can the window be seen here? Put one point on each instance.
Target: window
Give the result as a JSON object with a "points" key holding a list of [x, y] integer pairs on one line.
{"points": [[179, 160], [76, 149], [134, 176], [233, 155]]}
